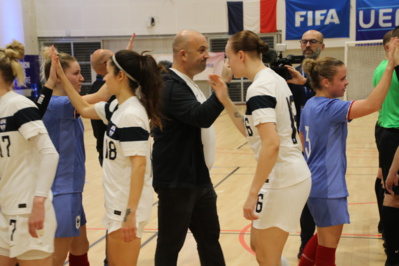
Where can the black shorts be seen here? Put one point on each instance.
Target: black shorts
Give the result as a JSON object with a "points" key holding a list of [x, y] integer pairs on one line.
{"points": [[377, 134], [389, 142]]}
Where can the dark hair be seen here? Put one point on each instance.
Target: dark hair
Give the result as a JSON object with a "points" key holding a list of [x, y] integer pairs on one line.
{"points": [[395, 32], [144, 70], [248, 41], [321, 68], [269, 57], [10, 67], [65, 61], [387, 37], [164, 65]]}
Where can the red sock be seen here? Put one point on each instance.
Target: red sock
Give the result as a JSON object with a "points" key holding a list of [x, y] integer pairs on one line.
{"points": [[80, 260], [309, 253], [325, 256]]}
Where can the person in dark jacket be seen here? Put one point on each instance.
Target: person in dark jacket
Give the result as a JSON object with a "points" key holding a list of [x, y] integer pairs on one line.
{"points": [[99, 64], [183, 154]]}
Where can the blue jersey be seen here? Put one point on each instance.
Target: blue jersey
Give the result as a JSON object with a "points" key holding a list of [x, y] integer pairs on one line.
{"points": [[66, 132], [324, 126]]}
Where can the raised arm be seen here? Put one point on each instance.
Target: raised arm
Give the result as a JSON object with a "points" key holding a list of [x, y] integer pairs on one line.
{"points": [[81, 105], [101, 95], [374, 101], [221, 90], [130, 45], [47, 91]]}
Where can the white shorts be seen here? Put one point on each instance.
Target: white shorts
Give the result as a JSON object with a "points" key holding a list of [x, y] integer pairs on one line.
{"points": [[113, 225], [282, 208], [15, 240]]}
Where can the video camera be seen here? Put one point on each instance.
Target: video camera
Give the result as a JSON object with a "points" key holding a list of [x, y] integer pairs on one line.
{"points": [[280, 69], [278, 66]]}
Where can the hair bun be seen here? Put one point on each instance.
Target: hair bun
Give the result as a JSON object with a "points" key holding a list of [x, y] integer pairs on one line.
{"points": [[308, 65], [263, 47], [15, 50]]}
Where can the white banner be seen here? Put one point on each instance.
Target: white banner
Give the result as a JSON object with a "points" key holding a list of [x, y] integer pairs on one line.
{"points": [[214, 64]]}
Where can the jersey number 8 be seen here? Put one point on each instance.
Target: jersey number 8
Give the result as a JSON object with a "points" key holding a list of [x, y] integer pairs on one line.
{"points": [[110, 150]]}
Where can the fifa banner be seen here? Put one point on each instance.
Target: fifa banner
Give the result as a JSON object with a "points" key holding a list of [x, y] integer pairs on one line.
{"points": [[214, 64], [329, 17], [258, 16], [375, 17]]}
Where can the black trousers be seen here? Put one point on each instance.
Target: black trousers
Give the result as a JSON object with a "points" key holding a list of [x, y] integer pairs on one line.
{"points": [[183, 209], [389, 142]]}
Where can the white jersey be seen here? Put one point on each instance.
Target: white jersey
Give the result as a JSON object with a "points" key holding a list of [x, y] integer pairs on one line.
{"points": [[19, 158], [127, 135], [269, 100]]}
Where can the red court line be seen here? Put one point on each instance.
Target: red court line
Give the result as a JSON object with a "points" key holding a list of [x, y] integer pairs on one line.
{"points": [[242, 240], [360, 203], [242, 232]]}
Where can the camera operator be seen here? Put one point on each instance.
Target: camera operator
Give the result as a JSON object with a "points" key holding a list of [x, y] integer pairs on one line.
{"points": [[311, 45]]}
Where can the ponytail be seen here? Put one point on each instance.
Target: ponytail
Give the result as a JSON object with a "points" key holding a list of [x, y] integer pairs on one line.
{"points": [[151, 89], [144, 80]]}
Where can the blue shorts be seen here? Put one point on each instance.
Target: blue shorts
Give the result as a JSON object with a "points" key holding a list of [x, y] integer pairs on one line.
{"points": [[329, 212], [69, 213]]}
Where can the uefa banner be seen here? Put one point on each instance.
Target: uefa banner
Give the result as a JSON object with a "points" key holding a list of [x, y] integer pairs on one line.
{"points": [[332, 18], [375, 17]]}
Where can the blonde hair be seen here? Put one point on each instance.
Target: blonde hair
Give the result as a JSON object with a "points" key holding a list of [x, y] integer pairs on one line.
{"points": [[10, 67], [65, 60]]}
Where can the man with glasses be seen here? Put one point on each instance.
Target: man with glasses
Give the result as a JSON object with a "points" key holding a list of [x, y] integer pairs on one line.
{"points": [[311, 45]]}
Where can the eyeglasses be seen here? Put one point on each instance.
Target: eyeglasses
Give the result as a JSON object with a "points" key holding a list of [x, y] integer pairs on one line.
{"points": [[312, 41]]}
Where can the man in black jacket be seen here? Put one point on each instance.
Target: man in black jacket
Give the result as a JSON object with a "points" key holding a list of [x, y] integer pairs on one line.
{"points": [[183, 154]]}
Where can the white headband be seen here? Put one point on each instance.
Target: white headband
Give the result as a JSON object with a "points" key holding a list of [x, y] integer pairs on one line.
{"points": [[127, 74]]}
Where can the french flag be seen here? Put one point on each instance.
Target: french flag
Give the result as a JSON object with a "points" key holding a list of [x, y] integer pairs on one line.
{"points": [[258, 16]]}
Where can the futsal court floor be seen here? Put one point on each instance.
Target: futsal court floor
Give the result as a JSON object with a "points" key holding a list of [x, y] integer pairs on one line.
{"points": [[232, 174]]}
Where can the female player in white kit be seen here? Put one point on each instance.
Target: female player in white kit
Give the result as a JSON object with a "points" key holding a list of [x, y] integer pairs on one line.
{"points": [[135, 81], [282, 181], [324, 128], [28, 161]]}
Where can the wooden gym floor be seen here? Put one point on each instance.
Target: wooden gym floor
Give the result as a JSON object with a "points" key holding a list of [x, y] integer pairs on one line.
{"points": [[231, 175]]}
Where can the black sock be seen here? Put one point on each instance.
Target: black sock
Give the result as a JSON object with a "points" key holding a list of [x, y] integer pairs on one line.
{"points": [[379, 193], [308, 226], [390, 220]]}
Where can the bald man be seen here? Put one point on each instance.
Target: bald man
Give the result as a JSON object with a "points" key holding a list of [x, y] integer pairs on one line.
{"points": [[99, 64], [183, 154]]}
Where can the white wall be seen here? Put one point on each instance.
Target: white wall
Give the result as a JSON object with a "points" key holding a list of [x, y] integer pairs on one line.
{"points": [[11, 22], [122, 17], [60, 18]]}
